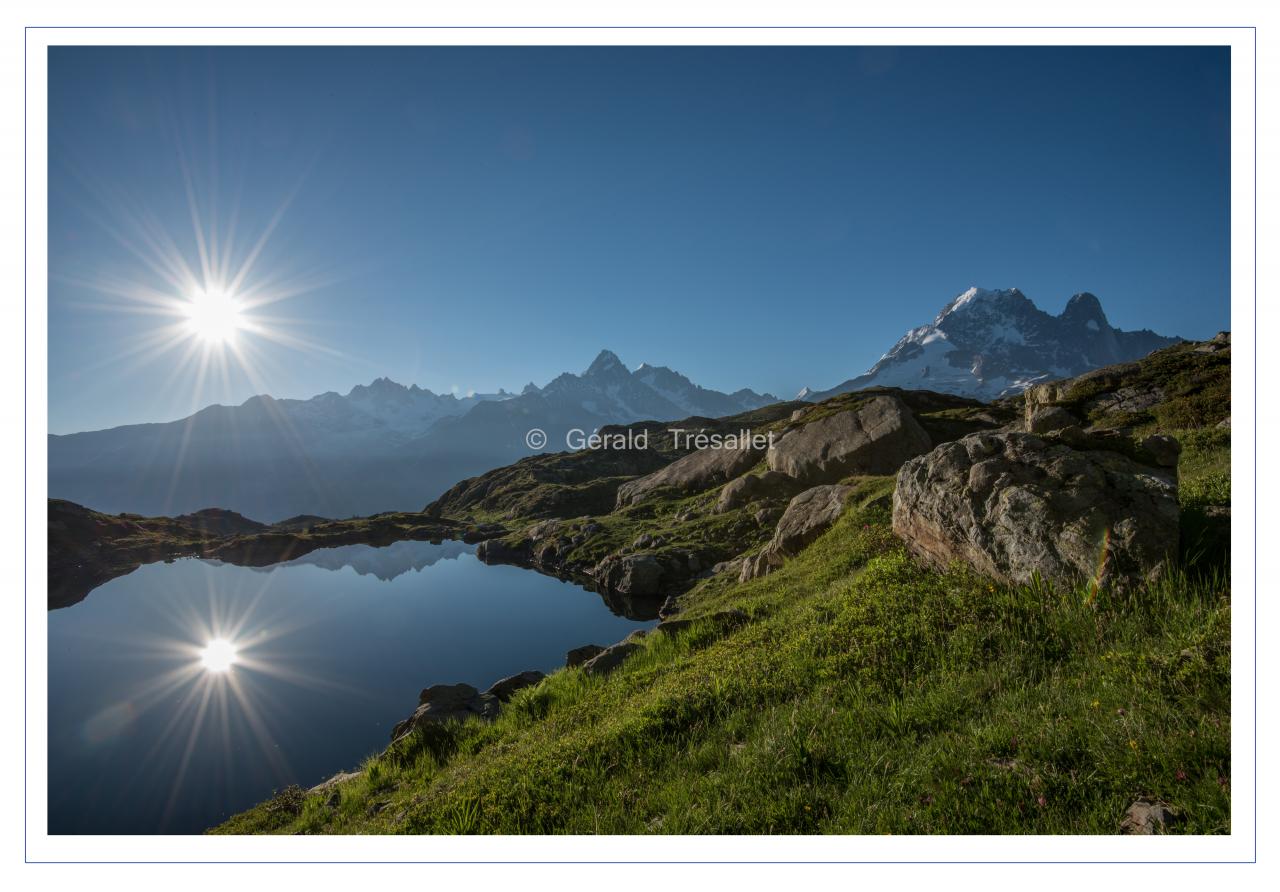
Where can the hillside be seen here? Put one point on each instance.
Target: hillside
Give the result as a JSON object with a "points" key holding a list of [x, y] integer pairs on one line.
{"points": [[812, 675]]}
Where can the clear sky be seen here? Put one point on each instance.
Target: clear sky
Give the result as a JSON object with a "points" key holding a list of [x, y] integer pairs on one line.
{"points": [[482, 217]]}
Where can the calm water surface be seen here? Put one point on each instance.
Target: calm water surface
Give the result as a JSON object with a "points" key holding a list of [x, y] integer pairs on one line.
{"points": [[330, 651]]}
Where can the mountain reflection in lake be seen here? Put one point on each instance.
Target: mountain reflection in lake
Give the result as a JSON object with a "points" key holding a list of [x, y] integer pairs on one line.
{"points": [[185, 692]]}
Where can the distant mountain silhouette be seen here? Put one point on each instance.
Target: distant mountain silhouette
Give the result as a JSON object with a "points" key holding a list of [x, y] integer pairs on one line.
{"points": [[381, 447], [386, 563]]}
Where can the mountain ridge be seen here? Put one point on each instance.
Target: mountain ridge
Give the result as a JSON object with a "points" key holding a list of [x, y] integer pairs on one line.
{"points": [[381, 446], [989, 344]]}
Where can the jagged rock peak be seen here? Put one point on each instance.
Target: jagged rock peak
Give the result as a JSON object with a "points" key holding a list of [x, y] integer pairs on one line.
{"points": [[606, 362]]}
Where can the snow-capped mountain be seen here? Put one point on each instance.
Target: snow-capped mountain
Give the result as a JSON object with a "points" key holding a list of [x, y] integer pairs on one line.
{"points": [[382, 413], [606, 393], [650, 392], [382, 446], [989, 344]]}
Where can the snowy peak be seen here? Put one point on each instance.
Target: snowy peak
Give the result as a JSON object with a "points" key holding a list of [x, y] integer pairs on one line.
{"points": [[606, 393], [993, 343]]}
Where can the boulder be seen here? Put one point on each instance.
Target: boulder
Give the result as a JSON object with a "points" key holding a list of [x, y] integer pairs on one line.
{"points": [[693, 473], [1039, 396], [767, 517], [1050, 418], [632, 574], [876, 437], [610, 658], [1016, 506], [504, 688], [753, 487], [500, 551], [444, 698], [807, 517], [1146, 817], [580, 655], [442, 703]]}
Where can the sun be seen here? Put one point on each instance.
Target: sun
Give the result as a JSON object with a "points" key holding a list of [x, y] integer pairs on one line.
{"points": [[218, 655], [214, 316]]}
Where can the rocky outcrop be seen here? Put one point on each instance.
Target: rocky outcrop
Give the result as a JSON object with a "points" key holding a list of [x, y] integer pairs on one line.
{"points": [[695, 472], [612, 657], [1219, 342], [502, 551], [457, 702], [1016, 505], [340, 778], [580, 655], [1050, 418], [754, 487], [876, 437], [647, 575], [506, 687], [807, 517]]}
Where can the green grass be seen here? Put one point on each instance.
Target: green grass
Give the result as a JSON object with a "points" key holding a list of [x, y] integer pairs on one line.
{"points": [[1204, 468], [865, 695]]}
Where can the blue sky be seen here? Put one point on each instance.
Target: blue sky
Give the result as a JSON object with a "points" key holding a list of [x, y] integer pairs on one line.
{"points": [[482, 217]]}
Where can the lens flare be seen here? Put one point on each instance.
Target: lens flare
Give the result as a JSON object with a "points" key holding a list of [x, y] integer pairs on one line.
{"points": [[1100, 574], [214, 316], [219, 655]]}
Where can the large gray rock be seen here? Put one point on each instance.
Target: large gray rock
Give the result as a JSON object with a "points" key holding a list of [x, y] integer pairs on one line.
{"points": [[610, 658], [442, 703], [874, 438], [1015, 506], [753, 487], [693, 473], [443, 699], [1050, 418], [632, 574], [807, 517], [580, 655], [504, 688]]}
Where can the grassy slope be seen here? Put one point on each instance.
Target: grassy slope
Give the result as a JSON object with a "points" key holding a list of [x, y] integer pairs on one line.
{"points": [[865, 695]]}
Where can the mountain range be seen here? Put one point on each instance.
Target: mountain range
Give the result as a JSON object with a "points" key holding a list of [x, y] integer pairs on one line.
{"points": [[382, 446], [988, 344]]}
